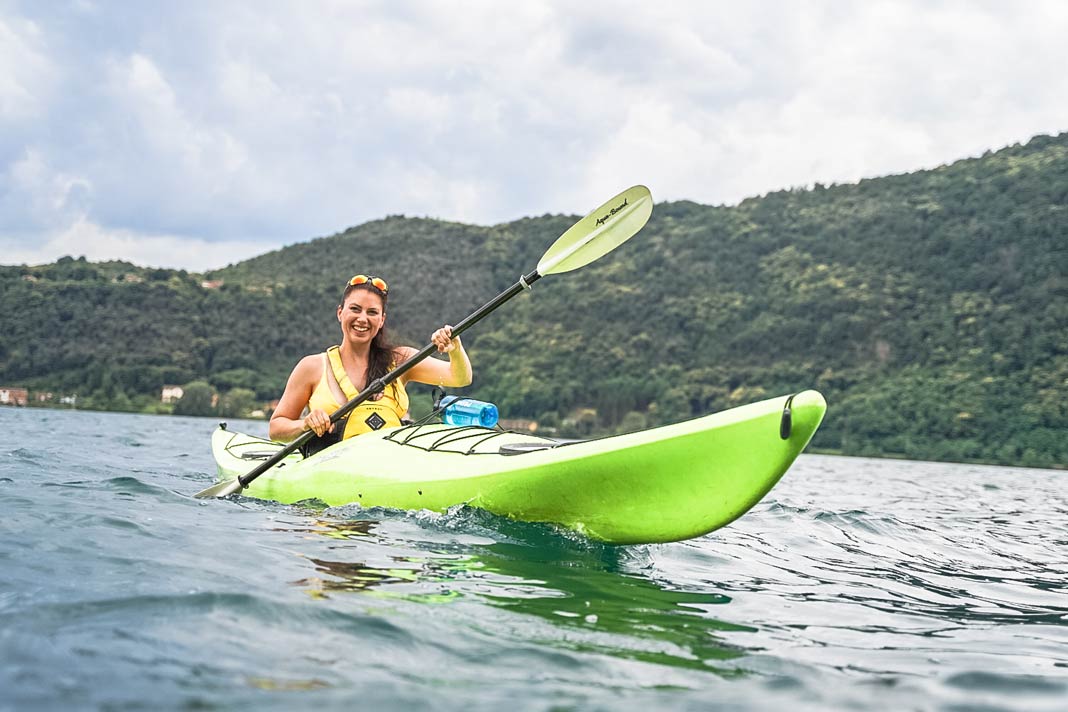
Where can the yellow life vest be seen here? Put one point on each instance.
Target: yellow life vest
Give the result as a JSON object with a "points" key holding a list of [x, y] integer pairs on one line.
{"points": [[371, 415]]}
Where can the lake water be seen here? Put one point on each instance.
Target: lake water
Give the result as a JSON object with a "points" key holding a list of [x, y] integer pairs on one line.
{"points": [[855, 584]]}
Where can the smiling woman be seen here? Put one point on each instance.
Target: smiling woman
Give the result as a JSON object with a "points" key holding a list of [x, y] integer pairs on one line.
{"points": [[322, 382]]}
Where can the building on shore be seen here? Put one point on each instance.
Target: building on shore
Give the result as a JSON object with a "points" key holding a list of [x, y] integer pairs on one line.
{"points": [[171, 394], [13, 395], [519, 424]]}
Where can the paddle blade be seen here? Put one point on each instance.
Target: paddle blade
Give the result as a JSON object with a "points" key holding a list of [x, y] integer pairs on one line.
{"points": [[222, 489], [600, 232]]}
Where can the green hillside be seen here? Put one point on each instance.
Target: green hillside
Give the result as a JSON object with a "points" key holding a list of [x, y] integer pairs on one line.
{"points": [[930, 308]]}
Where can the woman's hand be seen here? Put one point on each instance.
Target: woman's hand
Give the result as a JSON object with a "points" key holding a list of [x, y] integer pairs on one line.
{"points": [[318, 421], [442, 338], [456, 372]]}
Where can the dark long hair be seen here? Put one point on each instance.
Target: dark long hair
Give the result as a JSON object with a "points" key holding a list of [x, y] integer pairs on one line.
{"points": [[380, 360]]}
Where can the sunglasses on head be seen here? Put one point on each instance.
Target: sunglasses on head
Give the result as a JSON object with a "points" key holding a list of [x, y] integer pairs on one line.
{"points": [[376, 282]]}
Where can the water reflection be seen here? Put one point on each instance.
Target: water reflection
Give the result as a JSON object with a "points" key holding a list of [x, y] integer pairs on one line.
{"points": [[583, 591], [355, 577]]}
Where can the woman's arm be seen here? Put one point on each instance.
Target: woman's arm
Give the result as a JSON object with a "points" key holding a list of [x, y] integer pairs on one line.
{"points": [[286, 423], [455, 372]]}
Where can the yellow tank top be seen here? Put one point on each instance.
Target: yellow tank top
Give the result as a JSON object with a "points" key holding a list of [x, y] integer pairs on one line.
{"points": [[371, 415]]}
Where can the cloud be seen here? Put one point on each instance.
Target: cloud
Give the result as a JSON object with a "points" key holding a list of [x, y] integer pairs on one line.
{"points": [[82, 237], [35, 194], [250, 125], [53, 220], [190, 155], [25, 71]]}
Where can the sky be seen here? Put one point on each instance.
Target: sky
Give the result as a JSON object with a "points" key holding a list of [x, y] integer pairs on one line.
{"points": [[198, 133]]}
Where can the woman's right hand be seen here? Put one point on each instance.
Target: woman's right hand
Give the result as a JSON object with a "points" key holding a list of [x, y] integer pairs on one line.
{"points": [[318, 421]]}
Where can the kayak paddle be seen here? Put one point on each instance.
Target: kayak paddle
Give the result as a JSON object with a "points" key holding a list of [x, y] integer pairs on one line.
{"points": [[592, 237]]}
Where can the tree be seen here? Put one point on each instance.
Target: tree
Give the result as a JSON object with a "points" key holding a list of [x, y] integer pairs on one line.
{"points": [[198, 398], [929, 308], [237, 403]]}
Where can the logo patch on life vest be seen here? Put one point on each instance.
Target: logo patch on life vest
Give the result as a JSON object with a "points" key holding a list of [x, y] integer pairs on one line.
{"points": [[375, 421]]}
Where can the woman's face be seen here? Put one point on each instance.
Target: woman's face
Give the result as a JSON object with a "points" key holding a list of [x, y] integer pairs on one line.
{"points": [[362, 316]]}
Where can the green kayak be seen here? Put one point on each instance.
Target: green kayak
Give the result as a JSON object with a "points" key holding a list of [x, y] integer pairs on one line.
{"points": [[665, 484]]}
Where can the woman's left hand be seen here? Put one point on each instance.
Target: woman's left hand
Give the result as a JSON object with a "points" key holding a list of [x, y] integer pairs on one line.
{"points": [[442, 338]]}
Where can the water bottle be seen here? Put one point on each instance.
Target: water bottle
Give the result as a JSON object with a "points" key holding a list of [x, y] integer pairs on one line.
{"points": [[468, 411]]}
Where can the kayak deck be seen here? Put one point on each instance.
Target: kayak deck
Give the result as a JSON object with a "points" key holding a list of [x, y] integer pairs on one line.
{"points": [[665, 484]]}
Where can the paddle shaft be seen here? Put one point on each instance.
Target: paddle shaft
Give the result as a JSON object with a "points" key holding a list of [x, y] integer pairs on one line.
{"points": [[379, 384], [592, 237]]}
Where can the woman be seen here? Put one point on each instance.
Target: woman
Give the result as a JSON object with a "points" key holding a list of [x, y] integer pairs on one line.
{"points": [[324, 382]]}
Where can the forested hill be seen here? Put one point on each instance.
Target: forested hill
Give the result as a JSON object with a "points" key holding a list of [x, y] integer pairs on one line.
{"points": [[930, 308]]}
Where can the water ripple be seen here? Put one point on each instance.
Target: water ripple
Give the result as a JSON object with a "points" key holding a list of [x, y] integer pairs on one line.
{"points": [[857, 584]]}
